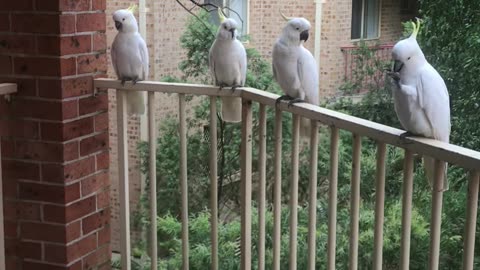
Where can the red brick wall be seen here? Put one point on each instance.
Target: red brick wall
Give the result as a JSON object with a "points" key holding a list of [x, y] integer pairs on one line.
{"points": [[55, 135]]}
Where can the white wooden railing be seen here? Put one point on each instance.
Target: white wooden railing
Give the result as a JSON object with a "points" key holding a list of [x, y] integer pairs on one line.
{"points": [[383, 135], [6, 89]]}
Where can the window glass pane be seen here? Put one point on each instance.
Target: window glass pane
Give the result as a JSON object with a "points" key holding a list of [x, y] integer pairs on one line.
{"points": [[356, 18], [240, 7], [371, 19], [214, 15]]}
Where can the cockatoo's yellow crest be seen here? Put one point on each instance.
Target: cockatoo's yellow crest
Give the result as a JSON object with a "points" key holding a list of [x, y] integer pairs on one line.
{"points": [[132, 8], [221, 16], [285, 17], [416, 28]]}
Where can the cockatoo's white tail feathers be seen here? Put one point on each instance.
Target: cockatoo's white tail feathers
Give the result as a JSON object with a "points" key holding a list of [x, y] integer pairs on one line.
{"points": [[135, 103], [231, 109], [429, 165], [305, 128]]}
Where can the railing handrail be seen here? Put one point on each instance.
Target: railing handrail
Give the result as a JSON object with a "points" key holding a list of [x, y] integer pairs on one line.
{"points": [[450, 153]]}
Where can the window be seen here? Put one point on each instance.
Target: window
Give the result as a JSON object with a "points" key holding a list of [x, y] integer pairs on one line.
{"points": [[365, 19], [408, 6], [240, 7]]}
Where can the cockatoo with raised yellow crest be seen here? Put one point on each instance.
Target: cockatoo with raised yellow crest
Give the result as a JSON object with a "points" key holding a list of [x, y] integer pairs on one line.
{"points": [[295, 68], [420, 97], [228, 66], [130, 56]]}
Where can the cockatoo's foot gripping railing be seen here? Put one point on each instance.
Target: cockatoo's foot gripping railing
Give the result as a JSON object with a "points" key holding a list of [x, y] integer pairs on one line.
{"points": [[383, 135]]}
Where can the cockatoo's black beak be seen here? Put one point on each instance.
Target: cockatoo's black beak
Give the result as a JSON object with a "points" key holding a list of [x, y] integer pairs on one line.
{"points": [[397, 66], [304, 35], [233, 33], [118, 25]]}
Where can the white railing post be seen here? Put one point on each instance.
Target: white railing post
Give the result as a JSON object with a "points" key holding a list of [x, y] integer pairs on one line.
{"points": [[471, 221], [436, 219], [332, 199], [152, 142], [312, 204], [213, 183], [122, 144], [5, 90], [183, 180], [2, 231], [379, 206], [355, 202], [246, 185], [262, 171], [277, 191], [406, 210], [294, 192]]}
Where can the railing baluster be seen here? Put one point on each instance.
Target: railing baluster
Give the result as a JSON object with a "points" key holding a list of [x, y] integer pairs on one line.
{"points": [[262, 159], [183, 180], [152, 141], [122, 144], [213, 182], [277, 191], [406, 210], [332, 199], [294, 192], [379, 206], [471, 222], [355, 202], [246, 185], [312, 213], [436, 219]]}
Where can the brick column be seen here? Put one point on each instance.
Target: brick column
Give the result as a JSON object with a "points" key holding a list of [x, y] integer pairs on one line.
{"points": [[55, 135]]}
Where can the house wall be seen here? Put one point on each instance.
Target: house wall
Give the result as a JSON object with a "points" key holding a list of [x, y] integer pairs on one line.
{"points": [[166, 22]]}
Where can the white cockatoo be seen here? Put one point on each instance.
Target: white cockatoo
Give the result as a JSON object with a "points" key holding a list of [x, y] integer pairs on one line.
{"points": [[420, 97], [130, 56], [228, 65], [295, 68]]}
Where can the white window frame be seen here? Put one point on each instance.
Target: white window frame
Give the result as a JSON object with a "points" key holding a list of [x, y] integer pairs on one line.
{"points": [[362, 23]]}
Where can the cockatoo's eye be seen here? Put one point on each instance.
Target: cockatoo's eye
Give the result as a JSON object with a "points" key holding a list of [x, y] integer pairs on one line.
{"points": [[298, 28], [225, 27], [409, 58], [123, 19]]}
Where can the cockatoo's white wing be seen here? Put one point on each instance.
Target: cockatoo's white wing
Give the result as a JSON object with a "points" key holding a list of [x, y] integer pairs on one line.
{"points": [[308, 74], [113, 54], [434, 100], [144, 56], [211, 64], [243, 63]]}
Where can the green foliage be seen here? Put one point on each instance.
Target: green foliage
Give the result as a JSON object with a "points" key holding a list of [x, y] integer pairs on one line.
{"points": [[451, 42], [169, 231], [376, 106], [196, 40], [367, 71]]}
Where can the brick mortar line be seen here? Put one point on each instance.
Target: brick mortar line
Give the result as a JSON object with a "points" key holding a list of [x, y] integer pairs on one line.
{"points": [[21, 76], [53, 35], [46, 56], [56, 100], [95, 133], [52, 162], [66, 184], [51, 12]]}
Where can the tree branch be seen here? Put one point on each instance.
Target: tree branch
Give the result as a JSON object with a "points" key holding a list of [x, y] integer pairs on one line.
{"points": [[208, 7]]}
